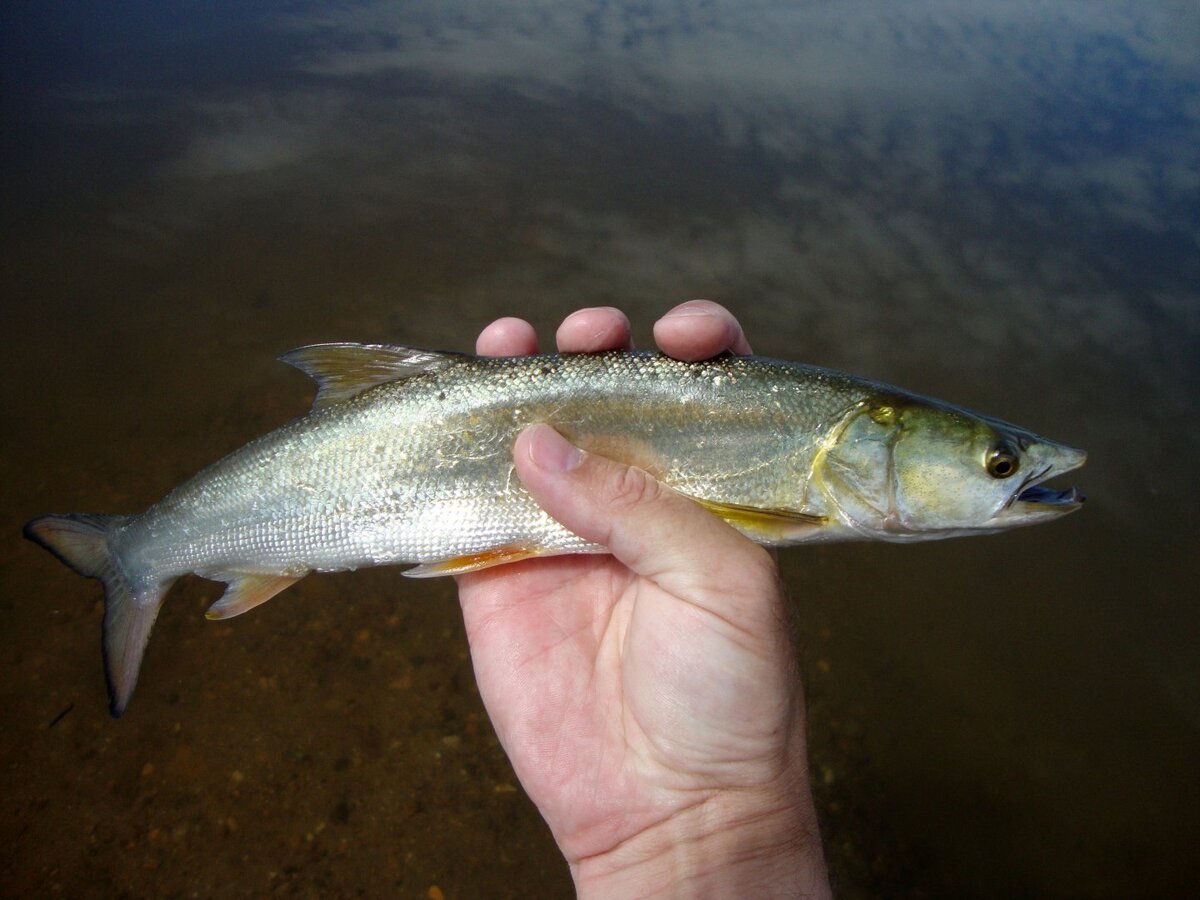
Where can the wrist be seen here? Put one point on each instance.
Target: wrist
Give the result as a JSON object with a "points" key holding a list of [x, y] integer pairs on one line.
{"points": [[731, 844]]}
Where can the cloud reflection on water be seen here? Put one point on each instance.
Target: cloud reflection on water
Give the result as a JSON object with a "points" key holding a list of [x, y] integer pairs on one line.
{"points": [[959, 148]]}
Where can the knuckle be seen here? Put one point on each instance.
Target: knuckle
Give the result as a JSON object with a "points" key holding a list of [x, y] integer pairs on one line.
{"points": [[629, 488]]}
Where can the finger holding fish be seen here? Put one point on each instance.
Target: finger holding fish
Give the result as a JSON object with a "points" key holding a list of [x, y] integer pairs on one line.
{"points": [[593, 330], [700, 329], [509, 336]]}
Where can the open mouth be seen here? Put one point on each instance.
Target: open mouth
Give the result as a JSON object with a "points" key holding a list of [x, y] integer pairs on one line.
{"points": [[1050, 497], [1037, 501]]}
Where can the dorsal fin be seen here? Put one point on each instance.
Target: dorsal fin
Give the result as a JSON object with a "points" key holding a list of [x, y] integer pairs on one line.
{"points": [[343, 371]]}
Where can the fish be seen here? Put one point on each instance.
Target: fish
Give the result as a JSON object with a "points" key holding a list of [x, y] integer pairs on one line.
{"points": [[406, 457]]}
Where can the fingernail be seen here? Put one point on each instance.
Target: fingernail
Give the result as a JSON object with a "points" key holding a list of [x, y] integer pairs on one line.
{"points": [[692, 308], [549, 450]]}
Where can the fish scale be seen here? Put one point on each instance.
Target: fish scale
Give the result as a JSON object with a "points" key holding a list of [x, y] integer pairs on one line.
{"points": [[420, 470]]}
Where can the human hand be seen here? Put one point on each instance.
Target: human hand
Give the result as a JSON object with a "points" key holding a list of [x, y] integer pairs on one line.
{"points": [[649, 700]]}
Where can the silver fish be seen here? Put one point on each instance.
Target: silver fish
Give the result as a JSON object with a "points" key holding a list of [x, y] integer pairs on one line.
{"points": [[405, 457]]}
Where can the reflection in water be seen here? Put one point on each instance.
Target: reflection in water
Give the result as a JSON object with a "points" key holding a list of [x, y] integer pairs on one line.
{"points": [[992, 203]]}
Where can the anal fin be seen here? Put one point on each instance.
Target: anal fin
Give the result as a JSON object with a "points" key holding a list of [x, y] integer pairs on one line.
{"points": [[473, 562], [767, 526], [248, 591]]}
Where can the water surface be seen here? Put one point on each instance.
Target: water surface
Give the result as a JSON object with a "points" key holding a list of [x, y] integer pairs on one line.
{"points": [[996, 204]]}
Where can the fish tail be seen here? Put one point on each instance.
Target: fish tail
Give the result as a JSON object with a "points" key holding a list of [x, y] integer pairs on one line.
{"points": [[81, 540]]}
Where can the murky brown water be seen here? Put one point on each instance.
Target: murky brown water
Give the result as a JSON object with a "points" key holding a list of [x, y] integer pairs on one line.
{"points": [[993, 205]]}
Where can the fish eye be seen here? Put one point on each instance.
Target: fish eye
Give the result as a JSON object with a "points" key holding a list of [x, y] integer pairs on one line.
{"points": [[1002, 462]]}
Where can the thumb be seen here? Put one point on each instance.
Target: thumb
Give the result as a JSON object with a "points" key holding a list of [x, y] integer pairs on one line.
{"points": [[655, 532]]}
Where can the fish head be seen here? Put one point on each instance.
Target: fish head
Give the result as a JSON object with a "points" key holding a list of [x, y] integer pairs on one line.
{"points": [[905, 468]]}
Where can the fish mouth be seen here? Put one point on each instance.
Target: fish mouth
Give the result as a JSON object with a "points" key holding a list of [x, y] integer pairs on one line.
{"points": [[1034, 501], [1049, 497]]}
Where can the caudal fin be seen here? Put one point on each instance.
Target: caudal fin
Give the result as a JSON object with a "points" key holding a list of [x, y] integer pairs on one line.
{"points": [[81, 541]]}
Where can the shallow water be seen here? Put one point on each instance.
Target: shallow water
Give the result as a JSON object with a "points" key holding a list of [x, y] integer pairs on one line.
{"points": [[996, 204]]}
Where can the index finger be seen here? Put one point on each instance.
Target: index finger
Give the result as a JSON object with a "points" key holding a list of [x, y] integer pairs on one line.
{"points": [[507, 337]]}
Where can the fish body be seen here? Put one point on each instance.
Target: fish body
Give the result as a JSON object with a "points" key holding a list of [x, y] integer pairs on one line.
{"points": [[406, 458]]}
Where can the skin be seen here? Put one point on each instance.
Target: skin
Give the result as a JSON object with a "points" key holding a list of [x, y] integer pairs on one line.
{"points": [[650, 700]]}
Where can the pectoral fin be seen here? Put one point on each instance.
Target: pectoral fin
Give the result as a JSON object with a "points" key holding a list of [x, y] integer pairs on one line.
{"points": [[248, 591], [767, 526], [473, 562]]}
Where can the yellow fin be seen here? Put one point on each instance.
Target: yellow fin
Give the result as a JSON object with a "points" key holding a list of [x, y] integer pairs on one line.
{"points": [[473, 562], [768, 526], [343, 371], [246, 592]]}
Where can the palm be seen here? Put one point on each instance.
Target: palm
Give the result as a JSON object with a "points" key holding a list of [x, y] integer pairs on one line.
{"points": [[601, 683]]}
